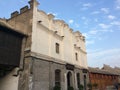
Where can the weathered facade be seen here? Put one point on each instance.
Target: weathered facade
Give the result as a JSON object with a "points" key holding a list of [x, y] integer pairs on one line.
{"points": [[104, 79], [10, 56], [52, 54]]}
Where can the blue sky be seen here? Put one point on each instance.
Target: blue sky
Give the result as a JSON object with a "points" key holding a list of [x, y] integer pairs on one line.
{"points": [[98, 20]]}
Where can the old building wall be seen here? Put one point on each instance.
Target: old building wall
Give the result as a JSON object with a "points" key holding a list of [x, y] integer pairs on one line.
{"points": [[57, 31], [105, 79], [46, 72], [22, 22], [9, 81], [42, 73]]}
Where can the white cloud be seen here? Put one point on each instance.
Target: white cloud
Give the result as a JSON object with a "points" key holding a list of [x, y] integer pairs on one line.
{"points": [[95, 12], [88, 42], [105, 57], [22, 1], [118, 7], [86, 21], [94, 50], [111, 17], [77, 25], [104, 26], [105, 10], [86, 35], [84, 18], [87, 5], [93, 32], [55, 14], [115, 23], [117, 4], [71, 21]]}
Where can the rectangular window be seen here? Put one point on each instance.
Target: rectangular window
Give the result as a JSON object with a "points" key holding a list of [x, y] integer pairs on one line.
{"points": [[76, 56], [57, 47]]}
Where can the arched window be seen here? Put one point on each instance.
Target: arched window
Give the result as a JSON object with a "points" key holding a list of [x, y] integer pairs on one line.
{"points": [[69, 79], [57, 77], [78, 79]]}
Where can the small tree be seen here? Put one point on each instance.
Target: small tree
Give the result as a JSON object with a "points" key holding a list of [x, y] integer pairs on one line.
{"points": [[57, 87], [89, 86], [70, 88], [95, 85], [80, 87]]}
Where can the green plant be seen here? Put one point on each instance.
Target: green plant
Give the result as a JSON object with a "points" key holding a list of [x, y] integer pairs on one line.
{"points": [[95, 85], [70, 88], [80, 87], [89, 86], [57, 88]]}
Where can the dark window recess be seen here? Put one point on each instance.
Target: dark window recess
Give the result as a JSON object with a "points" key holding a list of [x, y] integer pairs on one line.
{"points": [[78, 79], [84, 70], [10, 47], [70, 66], [57, 47], [76, 56], [57, 77], [85, 82]]}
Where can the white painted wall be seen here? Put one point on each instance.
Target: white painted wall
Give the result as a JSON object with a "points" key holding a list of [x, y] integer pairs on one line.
{"points": [[9, 82], [44, 39]]}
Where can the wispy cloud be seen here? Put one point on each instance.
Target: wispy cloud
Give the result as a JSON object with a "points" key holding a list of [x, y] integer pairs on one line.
{"points": [[104, 26], [77, 25], [89, 42], [117, 4], [111, 17], [105, 10], [22, 1], [55, 14], [94, 50], [72, 22], [117, 23], [85, 6], [83, 18], [95, 12], [105, 56], [93, 32]]}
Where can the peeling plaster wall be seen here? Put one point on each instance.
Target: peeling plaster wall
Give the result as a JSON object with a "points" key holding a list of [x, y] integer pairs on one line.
{"points": [[9, 82]]}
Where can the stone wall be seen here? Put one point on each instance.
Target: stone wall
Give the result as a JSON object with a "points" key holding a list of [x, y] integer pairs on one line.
{"points": [[40, 74]]}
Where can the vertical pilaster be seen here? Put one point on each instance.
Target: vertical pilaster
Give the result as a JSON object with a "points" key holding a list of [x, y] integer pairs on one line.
{"points": [[75, 81], [65, 75]]}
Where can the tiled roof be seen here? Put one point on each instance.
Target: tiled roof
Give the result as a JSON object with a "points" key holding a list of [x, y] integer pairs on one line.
{"points": [[103, 71]]}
